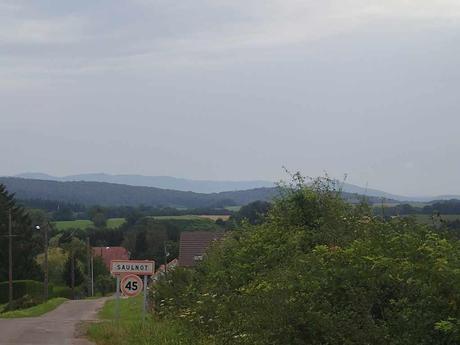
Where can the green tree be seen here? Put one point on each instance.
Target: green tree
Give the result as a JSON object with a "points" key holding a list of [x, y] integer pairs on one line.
{"points": [[254, 213], [78, 279], [74, 266], [98, 216], [319, 271], [56, 262], [27, 243], [146, 240]]}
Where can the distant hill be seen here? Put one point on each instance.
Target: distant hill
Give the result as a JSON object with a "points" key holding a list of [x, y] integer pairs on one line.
{"points": [[164, 182], [208, 186], [111, 194]]}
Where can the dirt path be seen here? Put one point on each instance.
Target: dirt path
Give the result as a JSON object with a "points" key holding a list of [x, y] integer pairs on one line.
{"points": [[57, 327]]}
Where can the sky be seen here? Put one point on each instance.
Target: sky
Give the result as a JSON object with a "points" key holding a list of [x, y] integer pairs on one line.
{"points": [[234, 89]]}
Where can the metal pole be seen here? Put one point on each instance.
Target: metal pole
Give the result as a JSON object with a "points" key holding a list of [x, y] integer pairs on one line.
{"points": [[10, 259], [117, 304], [45, 284], [144, 309]]}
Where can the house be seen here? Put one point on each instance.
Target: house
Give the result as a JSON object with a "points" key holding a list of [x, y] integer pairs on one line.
{"points": [[193, 246], [162, 270], [170, 266], [111, 253]]}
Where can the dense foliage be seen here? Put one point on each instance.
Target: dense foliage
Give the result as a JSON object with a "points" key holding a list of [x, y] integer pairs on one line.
{"points": [[27, 243], [254, 213], [319, 271], [443, 207]]}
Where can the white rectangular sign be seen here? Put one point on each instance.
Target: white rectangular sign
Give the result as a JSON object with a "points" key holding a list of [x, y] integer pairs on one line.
{"points": [[140, 267]]}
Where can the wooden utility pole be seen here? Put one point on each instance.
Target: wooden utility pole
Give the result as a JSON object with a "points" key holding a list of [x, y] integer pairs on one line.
{"points": [[88, 265], [45, 283], [72, 273], [10, 258]]}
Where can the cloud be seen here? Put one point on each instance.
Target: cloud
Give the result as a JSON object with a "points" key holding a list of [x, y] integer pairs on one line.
{"points": [[142, 35]]}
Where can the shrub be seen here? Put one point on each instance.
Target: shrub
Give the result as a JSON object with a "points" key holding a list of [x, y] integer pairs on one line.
{"points": [[104, 284], [23, 302], [62, 291], [319, 271], [21, 288]]}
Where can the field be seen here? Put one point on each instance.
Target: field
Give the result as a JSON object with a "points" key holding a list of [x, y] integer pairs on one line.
{"points": [[193, 221], [191, 217], [112, 223], [233, 208]]}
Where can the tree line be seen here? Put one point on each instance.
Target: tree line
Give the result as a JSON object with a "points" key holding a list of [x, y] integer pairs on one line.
{"points": [[441, 207]]}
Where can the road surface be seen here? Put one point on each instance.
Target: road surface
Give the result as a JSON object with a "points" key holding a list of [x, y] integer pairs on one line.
{"points": [[58, 327]]}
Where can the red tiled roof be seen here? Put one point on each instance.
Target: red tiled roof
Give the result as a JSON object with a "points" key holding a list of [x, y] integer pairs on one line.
{"points": [[111, 253], [193, 246]]}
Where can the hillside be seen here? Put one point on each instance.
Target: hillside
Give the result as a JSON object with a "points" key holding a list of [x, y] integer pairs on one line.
{"points": [[212, 186], [163, 182], [110, 194]]}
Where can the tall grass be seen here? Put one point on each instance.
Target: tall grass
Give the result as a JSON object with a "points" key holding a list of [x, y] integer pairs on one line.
{"points": [[34, 311], [131, 330]]}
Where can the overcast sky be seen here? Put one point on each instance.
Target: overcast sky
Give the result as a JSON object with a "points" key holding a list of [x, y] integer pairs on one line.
{"points": [[234, 89]]}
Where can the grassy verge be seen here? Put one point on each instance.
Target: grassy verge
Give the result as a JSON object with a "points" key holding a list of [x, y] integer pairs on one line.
{"points": [[36, 310], [130, 330]]}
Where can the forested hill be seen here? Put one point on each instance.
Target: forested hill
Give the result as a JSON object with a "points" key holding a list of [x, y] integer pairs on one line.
{"points": [[110, 194]]}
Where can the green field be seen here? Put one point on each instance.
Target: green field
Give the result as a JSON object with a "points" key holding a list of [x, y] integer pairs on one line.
{"points": [[112, 223], [34, 311], [184, 217], [233, 208], [193, 217]]}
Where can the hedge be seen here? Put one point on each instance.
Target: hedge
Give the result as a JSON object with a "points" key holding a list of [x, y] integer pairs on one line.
{"points": [[35, 289], [21, 288]]}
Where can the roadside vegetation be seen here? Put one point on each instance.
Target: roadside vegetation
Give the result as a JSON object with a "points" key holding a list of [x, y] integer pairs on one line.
{"points": [[320, 271], [34, 311], [308, 268], [131, 330]]}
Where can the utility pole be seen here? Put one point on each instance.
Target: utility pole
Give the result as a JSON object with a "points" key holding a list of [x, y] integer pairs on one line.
{"points": [[45, 264], [166, 256], [92, 276], [10, 259], [72, 273], [45, 283], [88, 265]]}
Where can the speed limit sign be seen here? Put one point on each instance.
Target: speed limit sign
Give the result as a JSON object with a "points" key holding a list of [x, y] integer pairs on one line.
{"points": [[131, 285]]}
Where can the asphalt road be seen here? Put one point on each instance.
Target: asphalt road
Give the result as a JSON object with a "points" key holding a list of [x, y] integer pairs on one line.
{"points": [[58, 327]]}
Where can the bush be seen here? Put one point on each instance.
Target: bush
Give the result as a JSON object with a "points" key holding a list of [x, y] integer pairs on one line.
{"points": [[22, 288], [23, 302], [62, 291], [104, 284], [319, 271]]}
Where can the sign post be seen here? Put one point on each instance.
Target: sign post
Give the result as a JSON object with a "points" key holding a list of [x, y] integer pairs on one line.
{"points": [[128, 280], [144, 309], [117, 306]]}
